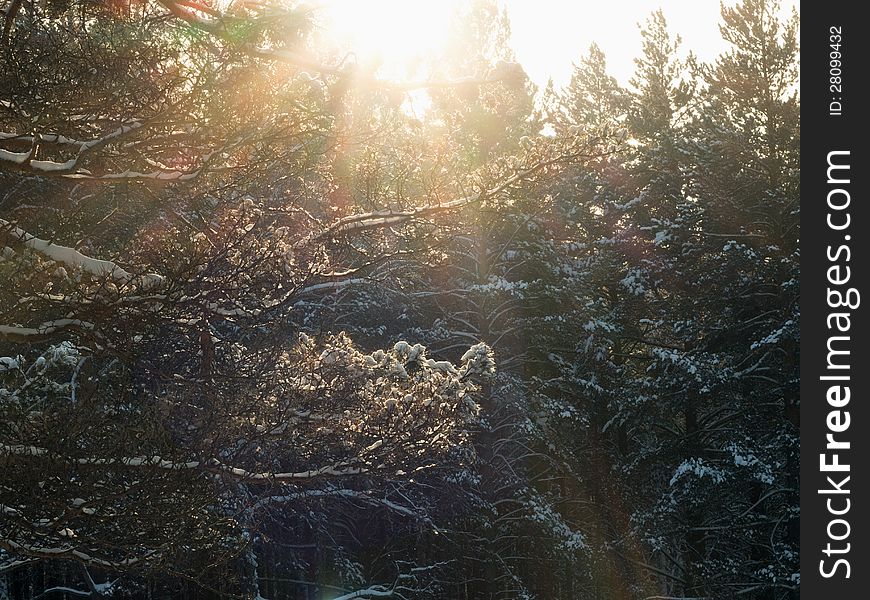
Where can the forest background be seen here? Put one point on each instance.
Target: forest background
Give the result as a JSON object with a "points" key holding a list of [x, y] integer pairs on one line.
{"points": [[273, 325]]}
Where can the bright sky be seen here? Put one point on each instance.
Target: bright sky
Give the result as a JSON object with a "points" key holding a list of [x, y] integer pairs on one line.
{"points": [[547, 35]]}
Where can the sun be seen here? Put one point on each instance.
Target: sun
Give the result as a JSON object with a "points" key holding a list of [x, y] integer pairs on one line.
{"points": [[395, 37]]}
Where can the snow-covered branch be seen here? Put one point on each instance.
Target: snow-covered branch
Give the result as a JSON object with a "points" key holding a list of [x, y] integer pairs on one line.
{"points": [[345, 493], [68, 168], [210, 465], [73, 258], [43, 331], [330, 286], [383, 218], [70, 552]]}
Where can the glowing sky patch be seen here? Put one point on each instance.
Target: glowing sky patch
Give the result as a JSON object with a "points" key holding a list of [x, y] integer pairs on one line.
{"points": [[548, 36]]}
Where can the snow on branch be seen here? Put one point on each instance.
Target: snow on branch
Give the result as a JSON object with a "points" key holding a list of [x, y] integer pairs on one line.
{"points": [[45, 330], [212, 465], [7, 565], [25, 160], [345, 494], [69, 552], [374, 591], [406, 582], [330, 285], [336, 470], [384, 218], [174, 176], [69, 169], [74, 258]]}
